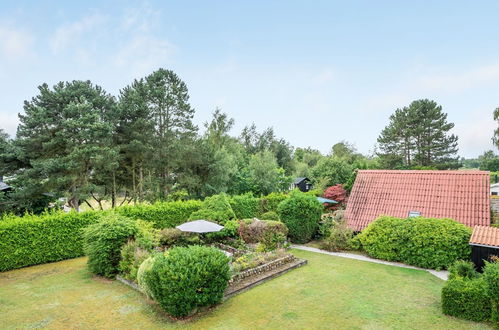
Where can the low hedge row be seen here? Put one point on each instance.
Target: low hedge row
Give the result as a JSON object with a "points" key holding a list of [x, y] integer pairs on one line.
{"points": [[162, 214], [38, 239], [423, 242]]}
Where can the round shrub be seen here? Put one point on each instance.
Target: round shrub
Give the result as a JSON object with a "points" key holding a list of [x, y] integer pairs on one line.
{"points": [[271, 215], [339, 238], [132, 256], [423, 242], [462, 268], [466, 298], [175, 237], [102, 243], [144, 268], [185, 278], [301, 214], [215, 208]]}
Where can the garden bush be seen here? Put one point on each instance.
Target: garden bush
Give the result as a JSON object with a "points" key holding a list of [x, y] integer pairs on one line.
{"points": [[423, 242], [271, 215], [339, 238], [466, 298], [215, 208], [270, 202], [175, 237], [271, 234], [37, 239], [245, 206], [161, 214], [336, 193], [462, 268], [144, 268], [132, 256], [186, 278], [252, 260], [103, 242], [301, 214], [491, 277]]}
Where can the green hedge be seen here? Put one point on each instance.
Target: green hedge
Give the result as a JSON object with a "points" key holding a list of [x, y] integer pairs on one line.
{"points": [[422, 242], [270, 202], [215, 208], [466, 298], [491, 276], [38, 239], [245, 206], [162, 214]]}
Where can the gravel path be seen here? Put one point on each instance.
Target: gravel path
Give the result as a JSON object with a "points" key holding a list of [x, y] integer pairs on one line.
{"points": [[442, 274]]}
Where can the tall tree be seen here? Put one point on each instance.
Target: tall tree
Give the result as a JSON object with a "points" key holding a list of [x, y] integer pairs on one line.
{"points": [[495, 138], [419, 134], [489, 161], [64, 134]]}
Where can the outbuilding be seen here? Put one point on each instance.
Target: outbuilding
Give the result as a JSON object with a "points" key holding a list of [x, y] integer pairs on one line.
{"points": [[484, 244], [304, 184]]}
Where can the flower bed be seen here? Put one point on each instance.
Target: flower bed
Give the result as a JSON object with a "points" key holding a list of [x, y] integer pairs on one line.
{"points": [[261, 269]]}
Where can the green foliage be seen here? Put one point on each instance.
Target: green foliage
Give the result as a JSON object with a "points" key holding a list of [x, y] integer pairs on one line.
{"points": [[175, 237], [144, 268], [231, 229], [271, 215], [161, 214], [37, 239], [255, 259], [270, 202], [331, 171], [266, 175], [462, 268], [215, 208], [491, 277], [103, 242], [466, 298], [301, 214], [245, 206], [132, 256], [422, 242], [339, 238], [186, 278]]}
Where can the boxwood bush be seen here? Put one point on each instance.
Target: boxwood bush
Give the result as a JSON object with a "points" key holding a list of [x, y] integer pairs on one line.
{"points": [[301, 214], [185, 278], [161, 214], [37, 239], [215, 208], [466, 298], [103, 242], [422, 242]]}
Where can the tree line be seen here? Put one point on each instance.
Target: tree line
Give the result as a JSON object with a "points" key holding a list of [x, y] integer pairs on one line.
{"points": [[77, 141]]}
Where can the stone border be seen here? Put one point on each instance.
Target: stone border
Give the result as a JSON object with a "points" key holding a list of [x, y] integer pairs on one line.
{"points": [[250, 282], [261, 269]]}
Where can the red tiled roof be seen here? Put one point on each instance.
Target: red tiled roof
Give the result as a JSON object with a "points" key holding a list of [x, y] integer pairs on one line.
{"points": [[459, 195], [485, 235]]}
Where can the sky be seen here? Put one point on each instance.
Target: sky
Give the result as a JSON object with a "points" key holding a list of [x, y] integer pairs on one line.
{"points": [[318, 72]]}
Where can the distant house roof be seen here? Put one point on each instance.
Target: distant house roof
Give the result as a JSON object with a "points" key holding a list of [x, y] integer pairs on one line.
{"points": [[485, 235], [298, 180], [459, 195]]}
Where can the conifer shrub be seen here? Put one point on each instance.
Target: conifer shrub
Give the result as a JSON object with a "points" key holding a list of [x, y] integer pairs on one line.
{"points": [[215, 208]]}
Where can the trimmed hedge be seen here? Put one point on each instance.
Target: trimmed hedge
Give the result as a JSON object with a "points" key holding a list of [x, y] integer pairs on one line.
{"points": [[423, 242], [270, 202], [466, 298], [38, 239], [162, 214], [185, 278], [301, 214], [245, 206], [491, 276], [215, 208]]}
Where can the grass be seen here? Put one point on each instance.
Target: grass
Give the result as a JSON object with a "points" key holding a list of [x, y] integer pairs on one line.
{"points": [[330, 292]]}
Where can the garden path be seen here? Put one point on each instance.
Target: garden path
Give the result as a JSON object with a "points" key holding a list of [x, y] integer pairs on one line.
{"points": [[442, 274]]}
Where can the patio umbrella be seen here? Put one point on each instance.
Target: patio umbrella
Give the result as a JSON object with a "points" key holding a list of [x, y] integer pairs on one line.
{"points": [[325, 200], [200, 226]]}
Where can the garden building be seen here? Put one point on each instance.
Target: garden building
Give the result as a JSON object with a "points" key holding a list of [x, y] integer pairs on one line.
{"points": [[304, 184], [484, 244], [460, 195]]}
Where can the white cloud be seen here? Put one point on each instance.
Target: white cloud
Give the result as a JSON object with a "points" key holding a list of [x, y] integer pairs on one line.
{"points": [[462, 80], [9, 121], [475, 136], [15, 43], [69, 34]]}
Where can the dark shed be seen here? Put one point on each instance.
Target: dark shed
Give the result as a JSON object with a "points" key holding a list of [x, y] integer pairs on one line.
{"points": [[484, 243], [304, 184]]}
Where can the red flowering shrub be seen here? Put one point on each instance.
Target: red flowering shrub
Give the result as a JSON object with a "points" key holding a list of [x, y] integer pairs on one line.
{"points": [[336, 193]]}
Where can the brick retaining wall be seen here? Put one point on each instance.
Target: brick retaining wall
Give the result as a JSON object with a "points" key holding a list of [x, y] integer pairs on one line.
{"points": [[261, 269]]}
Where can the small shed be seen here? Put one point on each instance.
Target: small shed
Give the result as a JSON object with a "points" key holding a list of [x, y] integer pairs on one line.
{"points": [[304, 184], [484, 244]]}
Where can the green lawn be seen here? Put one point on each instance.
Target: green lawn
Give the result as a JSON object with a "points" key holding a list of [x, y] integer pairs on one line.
{"points": [[329, 292]]}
